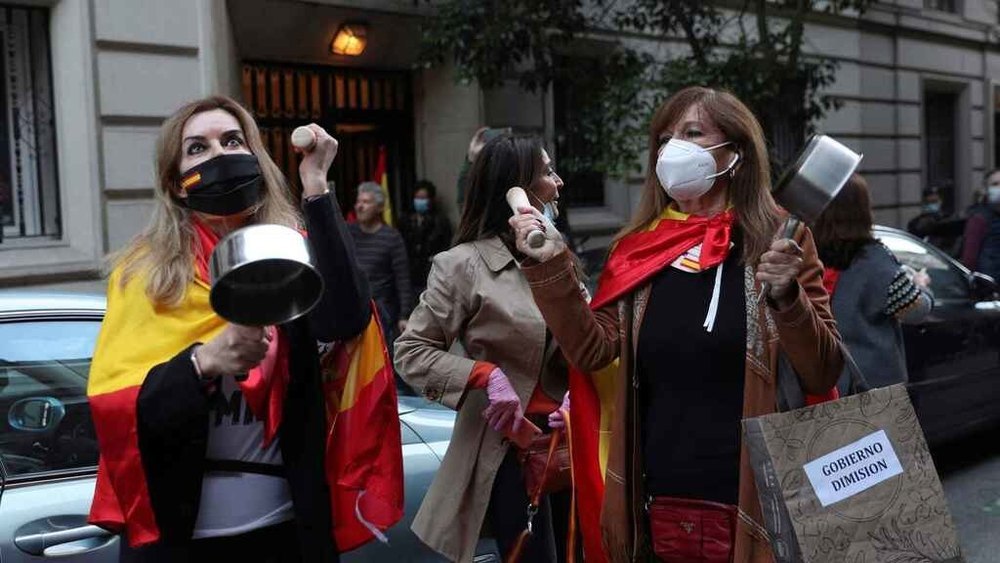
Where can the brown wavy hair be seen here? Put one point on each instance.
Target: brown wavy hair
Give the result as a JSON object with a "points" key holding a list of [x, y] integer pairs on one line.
{"points": [[505, 161], [163, 252], [750, 188], [845, 226]]}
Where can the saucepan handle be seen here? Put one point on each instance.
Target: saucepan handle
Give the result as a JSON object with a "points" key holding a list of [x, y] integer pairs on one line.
{"points": [[791, 224]]}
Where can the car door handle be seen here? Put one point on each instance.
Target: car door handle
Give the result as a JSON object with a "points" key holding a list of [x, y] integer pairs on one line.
{"points": [[992, 306], [41, 543]]}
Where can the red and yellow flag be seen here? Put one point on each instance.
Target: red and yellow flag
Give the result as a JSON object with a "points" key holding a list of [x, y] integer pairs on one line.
{"points": [[592, 396], [382, 179], [364, 467], [639, 256], [135, 336], [364, 458]]}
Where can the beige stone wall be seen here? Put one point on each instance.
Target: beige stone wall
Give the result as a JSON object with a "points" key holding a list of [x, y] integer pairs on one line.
{"points": [[884, 74], [119, 68], [447, 115], [152, 57]]}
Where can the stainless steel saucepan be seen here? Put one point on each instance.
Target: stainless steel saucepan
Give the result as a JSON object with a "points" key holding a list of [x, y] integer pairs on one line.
{"points": [[263, 275], [816, 177]]}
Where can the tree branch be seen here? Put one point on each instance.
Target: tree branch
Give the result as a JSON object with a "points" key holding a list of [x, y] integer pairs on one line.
{"points": [[796, 28], [697, 49], [763, 33]]}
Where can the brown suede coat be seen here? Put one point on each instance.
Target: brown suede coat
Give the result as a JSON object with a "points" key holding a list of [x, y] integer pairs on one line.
{"points": [[805, 332]]}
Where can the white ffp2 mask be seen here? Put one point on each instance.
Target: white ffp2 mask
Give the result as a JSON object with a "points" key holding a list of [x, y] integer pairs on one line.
{"points": [[687, 171]]}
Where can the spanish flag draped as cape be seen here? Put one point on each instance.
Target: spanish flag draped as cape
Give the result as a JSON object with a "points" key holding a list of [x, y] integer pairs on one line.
{"points": [[363, 446]]}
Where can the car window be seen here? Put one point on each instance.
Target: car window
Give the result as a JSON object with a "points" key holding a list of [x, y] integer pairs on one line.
{"points": [[45, 420], [947, 281]]}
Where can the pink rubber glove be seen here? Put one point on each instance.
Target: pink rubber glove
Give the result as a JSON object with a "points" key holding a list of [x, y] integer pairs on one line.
{"points": [[556, 416], [504, 413]]}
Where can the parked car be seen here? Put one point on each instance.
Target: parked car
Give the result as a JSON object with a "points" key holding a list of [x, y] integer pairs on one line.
{"points": [[953, 355], [48, 450]]}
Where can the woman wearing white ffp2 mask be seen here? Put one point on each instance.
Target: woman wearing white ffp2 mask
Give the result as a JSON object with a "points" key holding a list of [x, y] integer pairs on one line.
{"points": [[679, 302], [688, 171]]}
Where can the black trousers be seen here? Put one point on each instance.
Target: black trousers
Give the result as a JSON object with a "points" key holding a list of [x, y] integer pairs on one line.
{"points": [[507, 516], [274, 544]]}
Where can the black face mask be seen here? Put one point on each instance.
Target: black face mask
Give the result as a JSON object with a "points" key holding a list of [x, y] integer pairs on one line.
{"points": [[225, 185]]}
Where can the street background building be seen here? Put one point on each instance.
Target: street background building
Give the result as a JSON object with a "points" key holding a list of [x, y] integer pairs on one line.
{"points": [[86, 84]]}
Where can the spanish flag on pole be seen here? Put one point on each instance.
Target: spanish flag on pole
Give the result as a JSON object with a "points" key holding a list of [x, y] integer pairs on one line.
{"points": [[364, 467], [382, 179]]}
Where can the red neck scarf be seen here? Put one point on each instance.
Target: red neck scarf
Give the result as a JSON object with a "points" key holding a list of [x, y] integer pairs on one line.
{"points": [[830, 278], [265, 385], [204, 243], [639, 256]]}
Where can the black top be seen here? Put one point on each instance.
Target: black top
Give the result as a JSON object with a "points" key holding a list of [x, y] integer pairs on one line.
{"points": [[382, 257], [425, 235], [691, 384]]}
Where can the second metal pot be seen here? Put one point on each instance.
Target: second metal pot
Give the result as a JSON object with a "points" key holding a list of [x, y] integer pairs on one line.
{"points": [[816, 177], [263, 275]]}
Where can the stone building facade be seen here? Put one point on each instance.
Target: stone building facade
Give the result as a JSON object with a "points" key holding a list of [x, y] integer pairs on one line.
{"points": [[87, 83]]}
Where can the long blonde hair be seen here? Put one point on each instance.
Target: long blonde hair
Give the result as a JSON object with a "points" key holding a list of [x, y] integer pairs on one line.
{"points": [[164, 251], [750, 187]]}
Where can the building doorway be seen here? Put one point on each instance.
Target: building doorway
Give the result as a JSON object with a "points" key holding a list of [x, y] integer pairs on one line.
{"points": [[367, 111], [940, 137]]}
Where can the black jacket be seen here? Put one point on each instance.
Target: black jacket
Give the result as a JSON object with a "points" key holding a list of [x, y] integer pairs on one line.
{"points": [[425, 236]]}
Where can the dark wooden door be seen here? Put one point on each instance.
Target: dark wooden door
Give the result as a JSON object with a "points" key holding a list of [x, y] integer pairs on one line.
{"points": [[364, 109]]}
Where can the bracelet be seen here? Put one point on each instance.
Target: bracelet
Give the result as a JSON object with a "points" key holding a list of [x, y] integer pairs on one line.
{"points": [[194, 362], [314, 197]]}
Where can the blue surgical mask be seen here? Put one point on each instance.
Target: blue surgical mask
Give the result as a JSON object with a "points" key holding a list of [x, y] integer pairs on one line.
{"points": [[421, 204], [932, 207], [550, 211]]}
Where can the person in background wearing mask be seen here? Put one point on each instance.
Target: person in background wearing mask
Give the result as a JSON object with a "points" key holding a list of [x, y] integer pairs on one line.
{"points": [[198, 463], [682, 304], [935, 226], [931, 213], [426, 232], [981, 247], [871, 292], [382, 257], [513, 370]]}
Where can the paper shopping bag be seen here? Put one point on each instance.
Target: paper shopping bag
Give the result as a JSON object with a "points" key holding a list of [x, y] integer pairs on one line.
{"points": [[851, 481]]}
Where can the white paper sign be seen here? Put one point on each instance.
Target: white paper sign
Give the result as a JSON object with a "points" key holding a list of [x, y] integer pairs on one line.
{"points": [[853, 468]]}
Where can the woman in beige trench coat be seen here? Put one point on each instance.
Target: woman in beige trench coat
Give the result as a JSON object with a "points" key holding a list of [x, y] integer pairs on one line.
{"points": [[476, 295]]}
